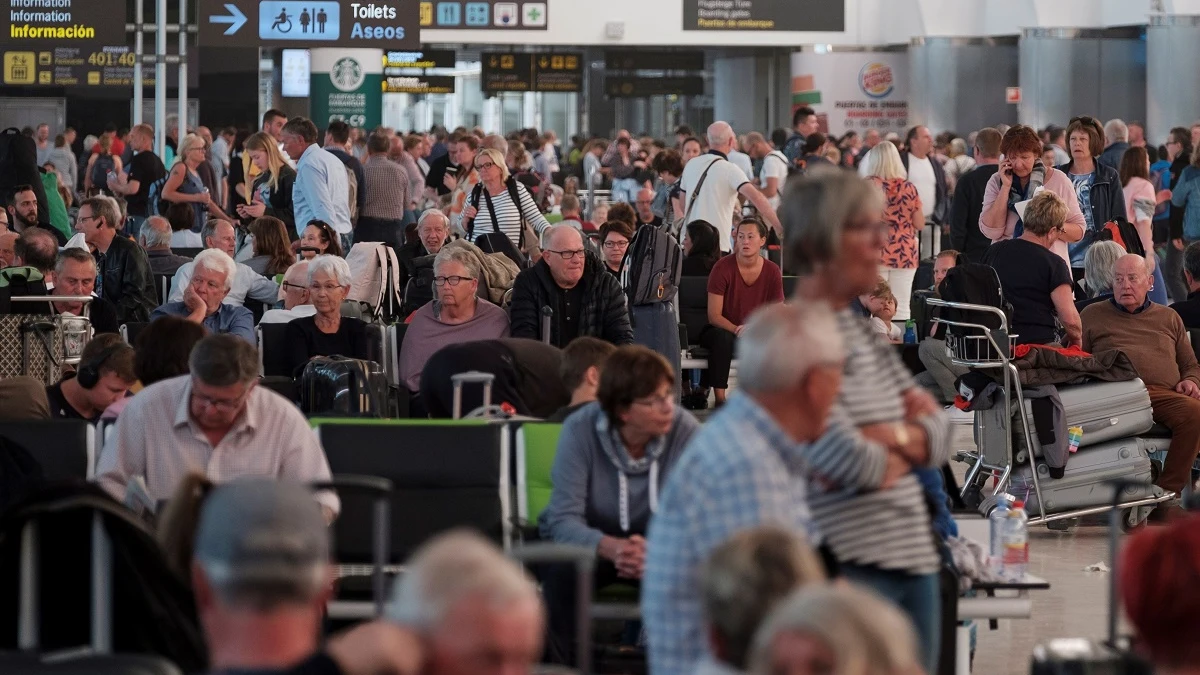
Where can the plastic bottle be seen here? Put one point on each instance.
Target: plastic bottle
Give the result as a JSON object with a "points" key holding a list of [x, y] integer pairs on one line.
{"points": [[910, 332], [1015, 539], [997, 519]]}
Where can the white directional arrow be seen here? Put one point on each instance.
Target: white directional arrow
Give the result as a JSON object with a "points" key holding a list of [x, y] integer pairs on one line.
{"points": [[235, 19]]}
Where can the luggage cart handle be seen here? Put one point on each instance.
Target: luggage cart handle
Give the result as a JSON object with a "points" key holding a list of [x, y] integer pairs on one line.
{"points": [[966, 306]]}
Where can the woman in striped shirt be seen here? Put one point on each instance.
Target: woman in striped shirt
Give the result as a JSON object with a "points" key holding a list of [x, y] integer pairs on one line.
{"points": [[491, 207]]}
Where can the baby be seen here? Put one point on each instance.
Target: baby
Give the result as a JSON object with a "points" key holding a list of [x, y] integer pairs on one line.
{"points": [[883, 310]]}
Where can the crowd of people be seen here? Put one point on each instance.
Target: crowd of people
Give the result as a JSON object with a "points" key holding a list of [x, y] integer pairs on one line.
{"points": [[825, 465]]}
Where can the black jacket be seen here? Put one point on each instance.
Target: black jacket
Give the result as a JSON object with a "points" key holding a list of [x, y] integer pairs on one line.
{"points": [[128, 283], [1175, 222], [279, 200], [941, 207], [1189, 310], [603, 313], [967, 206], [1108, 198]]}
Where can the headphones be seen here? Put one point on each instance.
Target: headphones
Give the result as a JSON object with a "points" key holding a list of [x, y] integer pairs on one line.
{"points": [[88, 374]]}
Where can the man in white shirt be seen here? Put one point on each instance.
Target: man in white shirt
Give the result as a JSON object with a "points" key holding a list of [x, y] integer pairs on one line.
{"points": [[322, 191], [711, 186], [219, 234], [742, 160], [774, 170], [294, 294], [929, 177]]}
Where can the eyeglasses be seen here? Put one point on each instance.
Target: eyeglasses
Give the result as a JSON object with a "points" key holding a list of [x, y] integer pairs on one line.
{"points": [[317, 288], [485, 165], [1084, 119], [287, 284], [80, 218], [645, 201], [615, 244], [219, 404], [567, 255], [452, 280], [664, 401]]}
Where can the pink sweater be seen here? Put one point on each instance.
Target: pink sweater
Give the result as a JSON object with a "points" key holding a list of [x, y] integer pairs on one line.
{"points": [[1056, 182]]}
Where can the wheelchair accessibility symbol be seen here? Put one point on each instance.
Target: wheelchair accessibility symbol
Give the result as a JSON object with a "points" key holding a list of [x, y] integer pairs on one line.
{"points": [[311, 20], [283, 23]]}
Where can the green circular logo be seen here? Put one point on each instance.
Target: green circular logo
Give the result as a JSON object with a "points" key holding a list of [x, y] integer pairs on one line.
{"points": [[346, 74]]}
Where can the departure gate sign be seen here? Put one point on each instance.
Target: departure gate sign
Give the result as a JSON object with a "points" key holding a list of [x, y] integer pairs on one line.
{"points": [[60, 23], [309, 23]]}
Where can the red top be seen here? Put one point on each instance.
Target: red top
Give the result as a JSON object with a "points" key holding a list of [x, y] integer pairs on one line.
{"points": [[742, 299]]}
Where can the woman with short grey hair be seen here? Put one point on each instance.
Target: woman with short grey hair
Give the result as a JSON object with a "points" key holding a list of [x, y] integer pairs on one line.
{"points": [[326, 333], [880, 531], [456, 314], [1098, 265]]}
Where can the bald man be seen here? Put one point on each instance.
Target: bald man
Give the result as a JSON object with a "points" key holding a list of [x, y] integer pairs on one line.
{"points": [[583, 297], [155, 237], [645, 209], [712, 185], [1154, 338]]}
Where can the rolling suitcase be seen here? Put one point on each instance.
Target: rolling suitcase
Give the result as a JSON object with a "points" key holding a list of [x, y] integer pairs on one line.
{"points": [[337, 385], [656, 327], [1088, 477], [1081, 656]]}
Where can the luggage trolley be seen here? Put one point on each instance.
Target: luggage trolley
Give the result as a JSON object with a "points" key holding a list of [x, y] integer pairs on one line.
{"points": [[991, 349]]}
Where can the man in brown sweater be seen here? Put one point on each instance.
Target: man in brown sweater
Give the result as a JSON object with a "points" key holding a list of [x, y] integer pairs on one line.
{"points": [[1155, 340]]}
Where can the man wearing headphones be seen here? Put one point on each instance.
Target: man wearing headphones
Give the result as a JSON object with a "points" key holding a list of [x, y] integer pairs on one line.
{"points": [[104, 376]]}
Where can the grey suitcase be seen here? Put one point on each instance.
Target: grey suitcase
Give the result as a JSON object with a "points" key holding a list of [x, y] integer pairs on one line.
{"points": [[1087, 474], [1105, 410], [657, 327]]}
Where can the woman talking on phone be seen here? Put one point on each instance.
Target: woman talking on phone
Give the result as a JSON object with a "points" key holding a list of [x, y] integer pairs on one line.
{"points": [[1020, 177]]}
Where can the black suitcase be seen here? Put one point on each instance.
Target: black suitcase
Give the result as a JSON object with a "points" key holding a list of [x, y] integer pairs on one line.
{"points": [[656, 327], [341, 386], [1080, 656]]}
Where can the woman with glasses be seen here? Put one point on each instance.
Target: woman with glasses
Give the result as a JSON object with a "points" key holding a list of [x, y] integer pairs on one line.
{"points": [[319, 238], [456, 314], [327, 332], [501, 204], [1021, 176], [185, 186], [614, 241], [738, 285], [613, 460]]}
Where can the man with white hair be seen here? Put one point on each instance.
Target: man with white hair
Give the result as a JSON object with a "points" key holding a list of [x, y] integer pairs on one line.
{"points": [[297, 302], [583, 298], [246, 283], [155, 237], [475, 610], [1116, 135], [712, 184], [203, 298], [750, 465], [433, 230]]}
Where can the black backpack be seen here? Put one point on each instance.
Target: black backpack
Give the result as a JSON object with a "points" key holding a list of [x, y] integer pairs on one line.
{"points": [[976, 284], [419, 289], [155, 204], [652, 266], [18, 166]]}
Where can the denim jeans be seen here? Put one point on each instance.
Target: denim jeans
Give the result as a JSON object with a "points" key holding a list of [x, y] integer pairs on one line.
{"points": [[1172, 271], [624, 190], [918, 596]]}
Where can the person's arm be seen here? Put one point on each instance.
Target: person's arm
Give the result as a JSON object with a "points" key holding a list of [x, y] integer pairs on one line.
{"points": [[993, 220], [844, 458], [314, 184], [617, 328], [771, 189], [524, 313], [529, 209], [764, 207], [716, 305], [124, 455], [243, 325], [564, 520], [170, 190], [918, 211], [261, 288], [87, 174], [1076, 224], [1064, 306]]}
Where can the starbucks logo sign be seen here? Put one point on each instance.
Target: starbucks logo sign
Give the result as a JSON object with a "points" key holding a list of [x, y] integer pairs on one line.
{"points": [[346, 74]]}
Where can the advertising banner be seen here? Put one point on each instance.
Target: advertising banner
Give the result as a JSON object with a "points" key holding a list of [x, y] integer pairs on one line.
{"points": [[853, 90], [347, 85]]}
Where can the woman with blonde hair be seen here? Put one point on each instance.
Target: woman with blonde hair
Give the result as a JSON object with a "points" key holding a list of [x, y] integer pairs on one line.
{"points": [[904, 219], [491, 207], [271, 194], [185, 186]]}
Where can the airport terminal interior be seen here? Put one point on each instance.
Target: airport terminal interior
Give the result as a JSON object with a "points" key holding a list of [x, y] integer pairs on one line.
{"points": [[448, 337]]}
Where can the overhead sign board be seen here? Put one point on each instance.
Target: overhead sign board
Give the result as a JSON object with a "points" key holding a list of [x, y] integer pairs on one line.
{"points": [[61, 23], [419, 58], [765, 15], [653, 59], [110, 66], [555, 72], [636, 87], [418, 84], [309, 23], [483, 14]]}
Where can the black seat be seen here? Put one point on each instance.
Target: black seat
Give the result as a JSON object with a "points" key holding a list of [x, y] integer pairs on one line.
{"points": [[256, 307], [789, 286], [274, 356], [66, 449], [186, 252], [20, 663], [130, 330], [458, 485], [162, 286], [693, 309]]}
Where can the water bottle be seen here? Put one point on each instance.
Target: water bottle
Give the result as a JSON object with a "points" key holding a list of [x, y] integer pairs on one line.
{"points": [[1015, 539], [996, 519], [910, 332]]}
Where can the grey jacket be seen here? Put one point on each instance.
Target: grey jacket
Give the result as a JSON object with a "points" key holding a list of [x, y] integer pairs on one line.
{"points": [[598, 489]]}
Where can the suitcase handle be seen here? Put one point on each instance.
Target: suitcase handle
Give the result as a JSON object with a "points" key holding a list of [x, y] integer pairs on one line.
{"points": [[381, 490]]}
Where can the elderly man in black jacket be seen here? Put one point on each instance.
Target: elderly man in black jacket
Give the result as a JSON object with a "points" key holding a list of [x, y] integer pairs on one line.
{"points": [[583, 298], [124, 277]]}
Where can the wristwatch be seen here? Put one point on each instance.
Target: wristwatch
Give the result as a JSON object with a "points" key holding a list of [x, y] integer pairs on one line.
{"points": [[902, 435]]}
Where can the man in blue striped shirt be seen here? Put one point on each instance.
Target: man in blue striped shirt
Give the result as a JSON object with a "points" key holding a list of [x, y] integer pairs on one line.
{"points": [[322, 190], [749, 466]]}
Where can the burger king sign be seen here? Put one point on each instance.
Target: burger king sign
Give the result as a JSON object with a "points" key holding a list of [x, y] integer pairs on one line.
{"points": [[876, 80]]}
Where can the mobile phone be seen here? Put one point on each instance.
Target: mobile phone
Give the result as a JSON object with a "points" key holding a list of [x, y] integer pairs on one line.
{"points": [[452, 171]]}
